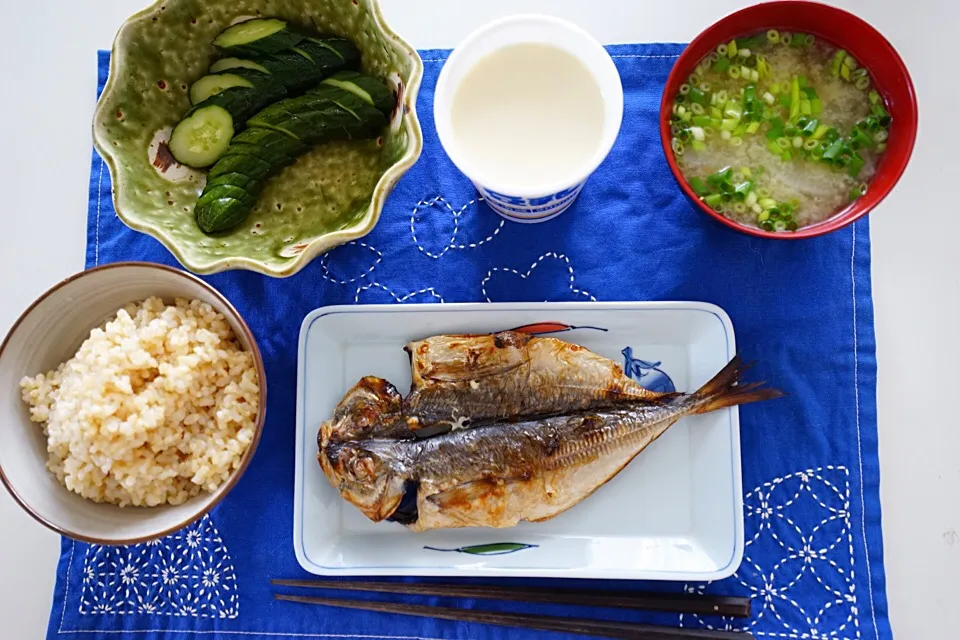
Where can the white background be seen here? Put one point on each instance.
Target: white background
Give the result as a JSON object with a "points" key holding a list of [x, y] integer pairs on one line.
{"points": [[48, 80]]}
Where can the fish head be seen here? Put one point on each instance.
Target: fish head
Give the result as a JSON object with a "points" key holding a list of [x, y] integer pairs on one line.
{"points": [[458, 358], [367, 476], [372, 408]]}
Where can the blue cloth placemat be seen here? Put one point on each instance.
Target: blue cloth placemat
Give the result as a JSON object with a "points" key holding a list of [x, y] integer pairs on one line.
{"points": [[813, 561]]}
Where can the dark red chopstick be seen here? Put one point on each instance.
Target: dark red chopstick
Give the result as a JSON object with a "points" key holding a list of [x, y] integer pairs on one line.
{"points": [[706, 605], [598, 628]]}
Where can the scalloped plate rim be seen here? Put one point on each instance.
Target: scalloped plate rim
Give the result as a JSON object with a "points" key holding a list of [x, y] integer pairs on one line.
{"points": [[318, 245]]}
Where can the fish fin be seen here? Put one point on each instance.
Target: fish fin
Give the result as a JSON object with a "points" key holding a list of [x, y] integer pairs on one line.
{"points": [[724, 391], [466, 494]]}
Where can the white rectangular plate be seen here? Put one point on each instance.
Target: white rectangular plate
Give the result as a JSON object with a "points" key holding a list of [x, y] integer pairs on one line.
{"points": [[674, 513]]}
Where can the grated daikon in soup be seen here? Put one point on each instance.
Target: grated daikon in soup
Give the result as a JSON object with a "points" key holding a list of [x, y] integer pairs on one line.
{"points": [[778, 130]]}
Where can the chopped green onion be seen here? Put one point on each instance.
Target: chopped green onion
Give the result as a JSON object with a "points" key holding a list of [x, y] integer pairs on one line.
{"points": [[721, 50], [845, 72], [731, 48], [860, 139], [837, 62], [811, 144], [805, 107], [743, 53], [769, 97], [698, 186], [767, 203], [702, 121], [850, 62], [751, 199], [881, 147], [697, 96], [797, 142], [753, 127], [834, 149], [721, 65], [677, 146], [764, 216], [736, 141], [697, 145], [697, 133], [684, 89], [862, 187], [729, 124], [874, 97], [786, 37], [739, 208], [756, 209], [784, 99], [734, 72], [881, 136], [783, 143], [773, 147], [697, 109], [742, 189], [713, 200], [721, 176], [733, 110], [810, 92], [775, 87], [855, 165], [741, 129], [810, 127], [799, 40], [773, 36], [704, 86], [862, 83], [779, 225], [820, 131], [858, 73], [816, 107]]}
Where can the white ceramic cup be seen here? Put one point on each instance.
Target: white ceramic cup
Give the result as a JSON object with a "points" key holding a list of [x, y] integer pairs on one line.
{"points": [[535, 202]]}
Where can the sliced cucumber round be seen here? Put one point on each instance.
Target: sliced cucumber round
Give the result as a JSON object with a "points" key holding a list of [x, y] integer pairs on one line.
{"points": [[215, 83], [225, 64], [202, 137], [259, 35]]}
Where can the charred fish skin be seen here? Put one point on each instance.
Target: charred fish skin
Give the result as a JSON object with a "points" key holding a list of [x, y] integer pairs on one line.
{"points": [[465, 380], [500, 474]]}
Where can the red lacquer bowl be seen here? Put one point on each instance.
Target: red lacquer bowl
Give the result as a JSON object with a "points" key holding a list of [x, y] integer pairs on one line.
{"points": [[888, 74]]}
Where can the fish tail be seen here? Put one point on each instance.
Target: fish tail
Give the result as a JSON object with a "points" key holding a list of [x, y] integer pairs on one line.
{"points": [[724, 389]]}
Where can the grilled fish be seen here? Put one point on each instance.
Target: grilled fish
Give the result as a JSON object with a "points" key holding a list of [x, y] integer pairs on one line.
{"points": [[500, 474], [466, 380]]}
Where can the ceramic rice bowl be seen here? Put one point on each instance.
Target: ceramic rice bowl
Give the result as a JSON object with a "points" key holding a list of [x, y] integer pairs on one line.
{"points": [[332, 195]]}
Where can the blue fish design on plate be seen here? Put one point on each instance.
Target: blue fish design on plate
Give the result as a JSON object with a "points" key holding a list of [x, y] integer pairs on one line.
{"points": [[647, 373]]}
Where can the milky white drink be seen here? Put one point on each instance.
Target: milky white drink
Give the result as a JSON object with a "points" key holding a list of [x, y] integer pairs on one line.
{"points": [[528, 115]]}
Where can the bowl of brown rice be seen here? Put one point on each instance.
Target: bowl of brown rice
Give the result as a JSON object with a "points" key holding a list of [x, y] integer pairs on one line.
{"points": [[134, 396]]}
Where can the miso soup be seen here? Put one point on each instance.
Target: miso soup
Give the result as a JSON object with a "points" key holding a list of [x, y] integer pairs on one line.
{"points": [[778, 130]]}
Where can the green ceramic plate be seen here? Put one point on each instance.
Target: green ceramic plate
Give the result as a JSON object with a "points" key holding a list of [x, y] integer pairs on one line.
{"points": [[330, 196]]}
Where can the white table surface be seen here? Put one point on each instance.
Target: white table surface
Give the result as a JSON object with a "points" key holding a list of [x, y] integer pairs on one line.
{"points": [[49, 79]]}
